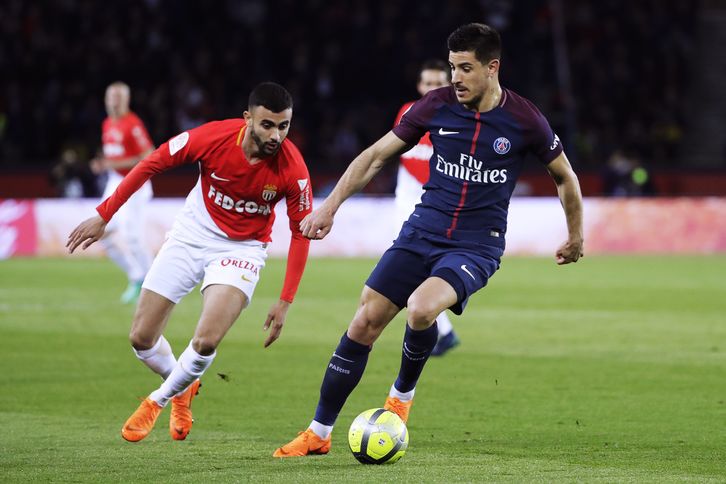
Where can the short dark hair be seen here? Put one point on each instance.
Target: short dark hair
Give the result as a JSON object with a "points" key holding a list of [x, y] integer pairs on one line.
{"points": [[435, 65], [270, 95], [481, 39]]}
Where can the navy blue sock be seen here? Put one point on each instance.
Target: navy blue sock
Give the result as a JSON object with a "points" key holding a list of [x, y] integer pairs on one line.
{"points": [[341, 377], [417, 347]]}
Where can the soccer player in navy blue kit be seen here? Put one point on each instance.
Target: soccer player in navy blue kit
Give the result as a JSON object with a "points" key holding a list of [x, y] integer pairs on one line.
{"points": [[453, 241]]}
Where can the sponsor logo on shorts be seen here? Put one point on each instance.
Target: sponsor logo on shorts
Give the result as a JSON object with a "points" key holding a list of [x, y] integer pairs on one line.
{"points": [[241, 264], [463, 268], [239, 206]]}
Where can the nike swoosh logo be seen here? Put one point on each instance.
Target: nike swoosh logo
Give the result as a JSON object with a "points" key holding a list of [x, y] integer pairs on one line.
{"points": [[444, 133], [244, 278], [463, 268], [218, 177]]}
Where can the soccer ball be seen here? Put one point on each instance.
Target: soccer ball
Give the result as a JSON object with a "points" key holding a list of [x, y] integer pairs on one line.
{"points": [[378, 436]]}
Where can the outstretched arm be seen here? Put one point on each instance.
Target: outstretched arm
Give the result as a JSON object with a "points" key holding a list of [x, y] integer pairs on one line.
{"points": [[180, 149], [299, 197], [568, 189], [361, 170]]}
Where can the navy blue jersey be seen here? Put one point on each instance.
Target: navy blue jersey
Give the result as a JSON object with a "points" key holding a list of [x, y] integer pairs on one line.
{"points": [[476, 161]]}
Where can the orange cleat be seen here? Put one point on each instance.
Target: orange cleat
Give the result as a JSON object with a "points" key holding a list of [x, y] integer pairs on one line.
{"points": [[398, 407], [306, 443], [141, 421], [180, 422]]}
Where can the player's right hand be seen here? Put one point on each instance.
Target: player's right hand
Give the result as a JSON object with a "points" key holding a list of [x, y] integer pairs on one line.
{"points": [[317, 225], [88, 232]]}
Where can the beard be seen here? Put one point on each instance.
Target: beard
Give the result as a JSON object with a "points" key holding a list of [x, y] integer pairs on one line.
{"points": [[265, 148]]}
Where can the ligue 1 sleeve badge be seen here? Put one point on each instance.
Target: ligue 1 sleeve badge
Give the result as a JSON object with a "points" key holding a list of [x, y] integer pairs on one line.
{"points": [[501, 145]]}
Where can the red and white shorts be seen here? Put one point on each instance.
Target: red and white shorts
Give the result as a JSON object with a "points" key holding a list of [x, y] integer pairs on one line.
{"points": [[181, 264]]}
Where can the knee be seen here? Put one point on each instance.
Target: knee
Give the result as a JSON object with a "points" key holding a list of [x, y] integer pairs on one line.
{"points": [[366, 325], [421, 313], [141, 341], [204, 345]]}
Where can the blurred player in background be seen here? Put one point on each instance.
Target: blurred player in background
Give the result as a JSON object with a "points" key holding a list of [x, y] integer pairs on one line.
{"points": [[125, 143], [452, 243], [413, 173], [220, 238]]}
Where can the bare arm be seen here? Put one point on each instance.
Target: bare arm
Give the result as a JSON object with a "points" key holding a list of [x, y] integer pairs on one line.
{"points": [[568, 189], [360, 171]]}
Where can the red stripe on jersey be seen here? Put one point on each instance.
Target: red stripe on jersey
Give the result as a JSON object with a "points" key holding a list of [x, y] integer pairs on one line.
{"points": [[476, 135], [466, 184], [458, 209]]}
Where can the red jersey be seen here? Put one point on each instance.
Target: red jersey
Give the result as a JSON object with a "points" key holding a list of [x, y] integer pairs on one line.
{"points": [[124, 137], [238, 197], [416, 160]]}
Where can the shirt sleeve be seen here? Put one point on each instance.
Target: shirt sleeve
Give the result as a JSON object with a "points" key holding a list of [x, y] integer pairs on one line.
{"points": [[299, 199], [141, 139], [183, 148], [404, 109], [414, 122], [546, 145]]}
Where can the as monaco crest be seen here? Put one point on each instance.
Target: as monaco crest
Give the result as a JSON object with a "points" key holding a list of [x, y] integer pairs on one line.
{"points": [[268, 194]]}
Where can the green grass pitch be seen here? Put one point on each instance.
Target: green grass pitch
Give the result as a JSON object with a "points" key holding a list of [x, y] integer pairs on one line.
{"points": [[610, 370]]}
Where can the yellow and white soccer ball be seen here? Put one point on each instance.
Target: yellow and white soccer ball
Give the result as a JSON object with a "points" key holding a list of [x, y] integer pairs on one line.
{"points": [[378, 436]]}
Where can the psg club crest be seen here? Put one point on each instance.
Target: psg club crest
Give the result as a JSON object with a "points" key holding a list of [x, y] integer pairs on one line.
{"points": [[502, 145], [268, 194]]}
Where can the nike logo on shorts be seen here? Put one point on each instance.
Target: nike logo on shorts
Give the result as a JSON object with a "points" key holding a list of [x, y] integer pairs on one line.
{"points": [[218, 178], [442, 132], [463, 268]]}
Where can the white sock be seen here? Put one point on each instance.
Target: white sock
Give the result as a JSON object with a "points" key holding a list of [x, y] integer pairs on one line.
{"points": [[322, 431], [443, 323], [159, 357], [403, 396], [190, 366]]}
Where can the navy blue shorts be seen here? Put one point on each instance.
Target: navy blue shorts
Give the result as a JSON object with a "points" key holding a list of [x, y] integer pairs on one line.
{"points": [[417, 255]]}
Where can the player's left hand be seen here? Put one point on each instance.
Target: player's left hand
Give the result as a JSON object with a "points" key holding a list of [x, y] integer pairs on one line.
{"points": [[275, 321], [88, 232], [570, 251]]}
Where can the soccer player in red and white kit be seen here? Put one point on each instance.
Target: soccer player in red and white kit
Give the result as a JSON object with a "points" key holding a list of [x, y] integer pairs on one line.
{"points": [[220, 237], [413, 173], [125, 143]]}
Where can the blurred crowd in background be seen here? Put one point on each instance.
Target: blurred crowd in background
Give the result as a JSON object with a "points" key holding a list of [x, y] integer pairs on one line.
{"points": [[609, 75]]}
